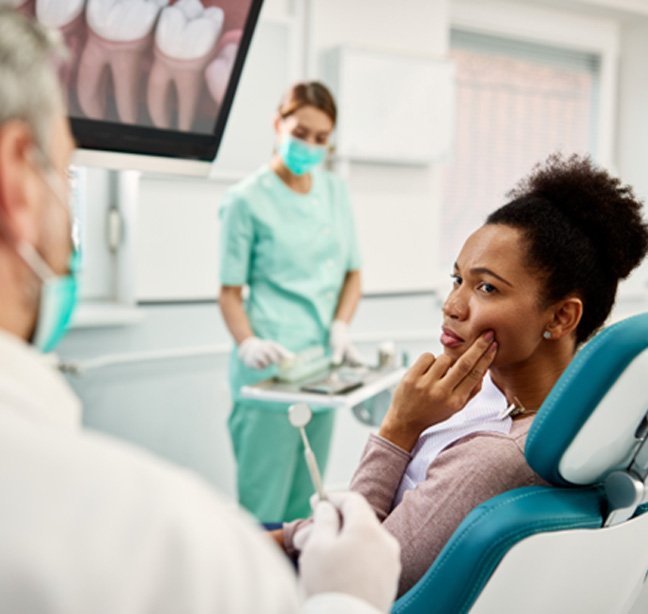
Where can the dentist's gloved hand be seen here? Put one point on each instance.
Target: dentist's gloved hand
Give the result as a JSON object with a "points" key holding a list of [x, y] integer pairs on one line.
{"points": [[348, 551], [261, 353], [341, 347]]}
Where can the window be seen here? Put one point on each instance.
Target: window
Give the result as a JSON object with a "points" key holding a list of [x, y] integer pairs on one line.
{"points": [[517, 103]]}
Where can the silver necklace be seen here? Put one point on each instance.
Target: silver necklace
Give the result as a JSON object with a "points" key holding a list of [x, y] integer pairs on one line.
{"points": [[515, 409]]}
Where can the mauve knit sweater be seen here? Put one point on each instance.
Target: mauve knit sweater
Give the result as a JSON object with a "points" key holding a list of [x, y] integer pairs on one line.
{"points": [[465, 474]]}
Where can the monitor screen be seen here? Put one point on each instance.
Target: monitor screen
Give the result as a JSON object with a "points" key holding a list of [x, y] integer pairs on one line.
{"points": [[154, 77]]}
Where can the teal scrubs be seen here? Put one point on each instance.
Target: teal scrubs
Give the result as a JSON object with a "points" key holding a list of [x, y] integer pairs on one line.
{"points": [[293, 251]]}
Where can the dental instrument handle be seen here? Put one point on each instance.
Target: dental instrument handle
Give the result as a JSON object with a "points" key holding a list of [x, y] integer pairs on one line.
{"points": [[302, 432], [313, 469], [315, 474]]}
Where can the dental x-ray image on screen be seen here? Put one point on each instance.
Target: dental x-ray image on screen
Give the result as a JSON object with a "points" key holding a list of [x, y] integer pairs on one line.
{"points": [[150, 76]]}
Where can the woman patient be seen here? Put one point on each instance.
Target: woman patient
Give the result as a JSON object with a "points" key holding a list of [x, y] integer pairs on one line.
{"points": [[529, 287]]}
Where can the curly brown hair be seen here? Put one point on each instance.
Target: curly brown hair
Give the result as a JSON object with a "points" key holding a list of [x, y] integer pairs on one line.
{"points": [[584, 232]]}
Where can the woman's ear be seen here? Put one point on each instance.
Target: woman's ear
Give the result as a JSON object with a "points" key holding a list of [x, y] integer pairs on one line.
{"points": [[566, 316], [277, 123]]}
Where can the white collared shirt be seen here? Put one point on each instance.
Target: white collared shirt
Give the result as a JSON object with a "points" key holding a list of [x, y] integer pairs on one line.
{"points": [[93, 525], [481, 413]]}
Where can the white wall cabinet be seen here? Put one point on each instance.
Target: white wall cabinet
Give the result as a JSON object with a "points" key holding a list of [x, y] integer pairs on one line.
{"points": [[394, 108]]}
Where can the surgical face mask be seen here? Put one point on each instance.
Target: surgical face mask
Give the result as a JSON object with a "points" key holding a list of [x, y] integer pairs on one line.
{"points": [[59, 293], [58, 298], [300, 157]]}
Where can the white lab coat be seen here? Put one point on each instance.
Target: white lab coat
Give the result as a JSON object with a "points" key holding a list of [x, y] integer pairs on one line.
{"points": [[89, 524]]}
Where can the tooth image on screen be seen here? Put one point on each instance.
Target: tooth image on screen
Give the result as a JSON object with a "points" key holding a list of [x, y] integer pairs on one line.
{"points": [[58, 13], [151, 77], [185, 41], [68, 18], [218, 72], [111, 65], [24, 6]]}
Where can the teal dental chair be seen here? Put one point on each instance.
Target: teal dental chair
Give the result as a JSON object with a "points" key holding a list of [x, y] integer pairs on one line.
{"points": [[579, 546]]}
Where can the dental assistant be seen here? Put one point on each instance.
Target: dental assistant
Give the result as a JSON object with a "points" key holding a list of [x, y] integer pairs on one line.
{"points": [[288, 235], [91, 524]]}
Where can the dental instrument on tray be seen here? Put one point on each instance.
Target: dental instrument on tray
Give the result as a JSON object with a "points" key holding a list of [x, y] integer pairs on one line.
{"points": [[313, 370], [300, 415], [309, 362]]}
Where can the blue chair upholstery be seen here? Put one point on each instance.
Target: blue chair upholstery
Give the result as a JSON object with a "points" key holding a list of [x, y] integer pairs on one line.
{"points": [[590, 442]]}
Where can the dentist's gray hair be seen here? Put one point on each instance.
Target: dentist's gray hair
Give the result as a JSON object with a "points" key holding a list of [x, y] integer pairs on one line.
{"points": [[30, 89]]}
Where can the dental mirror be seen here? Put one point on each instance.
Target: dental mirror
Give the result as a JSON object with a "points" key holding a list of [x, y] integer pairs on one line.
{"points": [[299, 416]]}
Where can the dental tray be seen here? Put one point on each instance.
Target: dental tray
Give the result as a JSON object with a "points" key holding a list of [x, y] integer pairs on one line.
{"points": [[311, 371], [309, 362], [343, 386], [302, 370], [338, 381]]}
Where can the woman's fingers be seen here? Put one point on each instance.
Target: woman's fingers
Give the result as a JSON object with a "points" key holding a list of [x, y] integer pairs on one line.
{"points": [[421, 365], [476, 390], [442, 370], [465, 365], [440, 367], [465, 362], [434, 389], [473, 373]]}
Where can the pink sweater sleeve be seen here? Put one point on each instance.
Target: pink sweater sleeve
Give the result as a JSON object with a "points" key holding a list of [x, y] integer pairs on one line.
{"points": [[464, 475], [379, 486]]}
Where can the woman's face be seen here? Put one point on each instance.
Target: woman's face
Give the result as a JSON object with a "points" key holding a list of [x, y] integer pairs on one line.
{"points": [[308, 124], [494, 290]]}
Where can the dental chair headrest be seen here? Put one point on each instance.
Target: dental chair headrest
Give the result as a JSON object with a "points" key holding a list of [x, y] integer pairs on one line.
{"points": [[589, 424]]}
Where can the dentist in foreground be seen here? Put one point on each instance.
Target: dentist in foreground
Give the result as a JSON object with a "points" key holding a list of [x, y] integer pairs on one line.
{"points": [[90, 524]]}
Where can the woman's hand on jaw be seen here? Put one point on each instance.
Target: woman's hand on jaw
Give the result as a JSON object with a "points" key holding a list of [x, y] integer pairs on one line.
{"points": [[434, 389]]}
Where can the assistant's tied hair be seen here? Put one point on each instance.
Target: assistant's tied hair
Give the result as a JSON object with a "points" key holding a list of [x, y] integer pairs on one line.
{"points": [[584, 232], [308, 94]]}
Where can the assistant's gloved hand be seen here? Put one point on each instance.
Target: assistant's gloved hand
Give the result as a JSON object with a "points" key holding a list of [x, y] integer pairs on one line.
{"points": [[348, 551], [261, 353], [341, 347]]}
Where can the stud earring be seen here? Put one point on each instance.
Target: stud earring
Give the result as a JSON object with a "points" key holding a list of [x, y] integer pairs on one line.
{"points": [[546, 334]]}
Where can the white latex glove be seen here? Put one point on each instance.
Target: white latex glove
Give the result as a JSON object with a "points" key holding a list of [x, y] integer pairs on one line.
{"points": [[261, 353], [341, 347], [348, 551]]}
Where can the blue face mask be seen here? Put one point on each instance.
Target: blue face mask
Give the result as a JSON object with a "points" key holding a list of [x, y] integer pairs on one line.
{"points": [[300, 157], [58, 298], [59, 293]]}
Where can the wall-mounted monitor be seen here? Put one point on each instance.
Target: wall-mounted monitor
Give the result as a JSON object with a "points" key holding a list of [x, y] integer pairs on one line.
{"points": [[151, 77]]}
